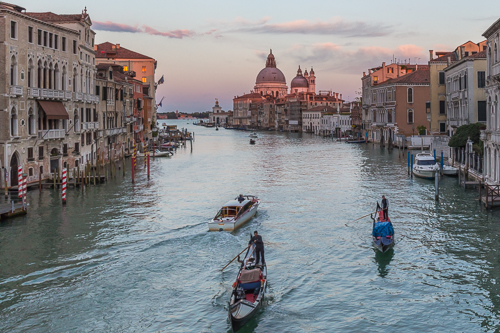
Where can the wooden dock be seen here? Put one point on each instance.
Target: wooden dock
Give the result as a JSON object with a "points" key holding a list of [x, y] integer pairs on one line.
{"points": [[491, 197], [12, 211]]}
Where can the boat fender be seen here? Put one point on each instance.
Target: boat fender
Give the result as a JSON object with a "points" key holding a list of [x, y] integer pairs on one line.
{"points": [[262, 282], [235, 284]]}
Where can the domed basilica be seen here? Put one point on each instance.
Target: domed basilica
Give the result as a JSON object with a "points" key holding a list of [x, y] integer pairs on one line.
{"points": [[271, 81]]}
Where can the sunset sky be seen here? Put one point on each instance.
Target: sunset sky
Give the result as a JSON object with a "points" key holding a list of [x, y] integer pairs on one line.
{"points": [[215, 49]]}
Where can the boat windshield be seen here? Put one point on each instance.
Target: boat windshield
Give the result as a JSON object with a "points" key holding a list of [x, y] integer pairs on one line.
{"points": [[426, 162], [227, 212]]}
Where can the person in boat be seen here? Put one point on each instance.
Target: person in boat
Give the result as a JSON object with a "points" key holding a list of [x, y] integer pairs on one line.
{"points": [[259, 247], [240, 198], [385, 208]]}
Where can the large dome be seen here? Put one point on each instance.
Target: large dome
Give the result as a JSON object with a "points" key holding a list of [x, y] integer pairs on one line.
{"points": [[270, 74], [299, 82]]}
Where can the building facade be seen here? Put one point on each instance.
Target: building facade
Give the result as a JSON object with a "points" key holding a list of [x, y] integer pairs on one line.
{"points": [[47, 80], [492, 134]]}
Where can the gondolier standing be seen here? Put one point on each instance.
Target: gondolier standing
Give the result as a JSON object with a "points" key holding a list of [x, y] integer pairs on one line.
{"points": [[385, 208], [259, 247]]}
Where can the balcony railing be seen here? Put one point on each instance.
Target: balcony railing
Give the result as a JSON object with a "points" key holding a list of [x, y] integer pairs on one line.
{"points": [[16, 91], [115, 131], [67, 95], [110, 102], [33, 92], [51, 134]]}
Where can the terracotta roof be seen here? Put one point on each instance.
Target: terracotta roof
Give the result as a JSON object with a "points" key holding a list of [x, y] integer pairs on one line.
{"points": [[444, 58], [56, 18], [481, 54], [251, 96], [110, 50], [420, 76]]}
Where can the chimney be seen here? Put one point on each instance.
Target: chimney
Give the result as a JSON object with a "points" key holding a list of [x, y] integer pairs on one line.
{"points": [[369, 71], [340, 96], [117, 46], [431, 54], [449, 61], [113, 47], [364, 74]]}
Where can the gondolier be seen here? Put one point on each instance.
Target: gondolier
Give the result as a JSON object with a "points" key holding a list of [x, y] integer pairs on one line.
{"points": [[385, 208], [259, 247]]}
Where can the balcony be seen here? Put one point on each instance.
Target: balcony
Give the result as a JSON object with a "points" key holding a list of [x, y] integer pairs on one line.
{"points": [[78, 96], [139, 128], [16, 91], [33, 92], [115, 131], [84, 126], [110, 102], [51, 134], [67, 95]]}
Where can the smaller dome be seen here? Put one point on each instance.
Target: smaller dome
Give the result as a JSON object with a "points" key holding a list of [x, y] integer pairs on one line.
{"points": [[299, 82]]}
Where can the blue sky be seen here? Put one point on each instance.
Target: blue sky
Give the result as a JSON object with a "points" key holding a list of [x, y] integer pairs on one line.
{"points": [[215, 49]]}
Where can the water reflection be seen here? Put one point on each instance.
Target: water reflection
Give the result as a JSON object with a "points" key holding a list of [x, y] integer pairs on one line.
{"points": [[383, 261]]}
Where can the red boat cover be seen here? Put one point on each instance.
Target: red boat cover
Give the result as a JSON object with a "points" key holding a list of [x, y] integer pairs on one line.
{"points": [[381, 216]]}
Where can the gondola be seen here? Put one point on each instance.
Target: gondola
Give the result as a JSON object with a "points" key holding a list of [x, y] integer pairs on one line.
{"points": [[248, 291], [252, 142], [383, 232]]}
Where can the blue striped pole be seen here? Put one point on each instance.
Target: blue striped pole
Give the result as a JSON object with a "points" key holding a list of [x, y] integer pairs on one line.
{"points": [[411, 166], [435, 156], [408, 163], [442, 160]]}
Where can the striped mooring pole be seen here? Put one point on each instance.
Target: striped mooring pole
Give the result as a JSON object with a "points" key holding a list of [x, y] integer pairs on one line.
{"points": [[25, 186], [64, 186], [20, 181], [135, 155], [145, 153]]}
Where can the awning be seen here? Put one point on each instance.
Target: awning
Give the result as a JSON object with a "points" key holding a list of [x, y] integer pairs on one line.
{"points": [[54, 110]]}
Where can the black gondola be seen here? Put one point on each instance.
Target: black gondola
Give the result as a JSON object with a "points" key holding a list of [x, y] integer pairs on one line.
{"points": [[248, 291], [383, 232], [252, 141]]}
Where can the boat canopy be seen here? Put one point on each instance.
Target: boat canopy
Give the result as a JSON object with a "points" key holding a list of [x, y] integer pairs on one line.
{"points": [[383, 229], [236, 203], [426, 162]]}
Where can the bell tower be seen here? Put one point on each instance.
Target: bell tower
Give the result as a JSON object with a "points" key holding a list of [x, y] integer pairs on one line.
{"points": [[312, 81]]}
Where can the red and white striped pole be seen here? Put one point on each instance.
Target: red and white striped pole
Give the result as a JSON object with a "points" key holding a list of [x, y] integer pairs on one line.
{"points": [[20, 181], [25, 187], [64, 186]]}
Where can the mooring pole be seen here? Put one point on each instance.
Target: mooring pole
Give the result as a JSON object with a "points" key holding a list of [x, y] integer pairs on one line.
{"points": [[409, 170], [64, 186], [436, 186], [148, 165], [133, 170], [442, 162], [411, 165]]}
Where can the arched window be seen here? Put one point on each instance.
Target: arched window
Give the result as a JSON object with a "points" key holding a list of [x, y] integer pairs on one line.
{"points": [[40, 74], [76, 124], [13, 122], [45, 69], [75, 79], [63, 78], [13, 71], [30, 73], [51, 81], [31, 122], [56, 77], [410, 116], [410, 95]]}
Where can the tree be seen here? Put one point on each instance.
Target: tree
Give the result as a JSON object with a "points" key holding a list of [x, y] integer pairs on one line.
{"points": [[464, 132], [421, 129]]}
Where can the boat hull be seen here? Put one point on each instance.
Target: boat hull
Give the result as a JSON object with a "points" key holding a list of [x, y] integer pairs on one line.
{"points": [[357, 141], [426, 174], [232, 224], [383, 244]]}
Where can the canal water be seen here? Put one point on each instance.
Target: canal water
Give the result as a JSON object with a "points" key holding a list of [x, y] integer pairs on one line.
{"points": [[138, 258]]}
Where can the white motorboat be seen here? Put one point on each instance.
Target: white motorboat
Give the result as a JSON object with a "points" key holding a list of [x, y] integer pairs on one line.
{"points": [[425, 166], [158, 153], [234, 214], [448, 170], [253, 135]]}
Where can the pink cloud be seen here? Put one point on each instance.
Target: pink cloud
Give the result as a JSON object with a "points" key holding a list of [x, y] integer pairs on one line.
{"points": [[118, 27]]}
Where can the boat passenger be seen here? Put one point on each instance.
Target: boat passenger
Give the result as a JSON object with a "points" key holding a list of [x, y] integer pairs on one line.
{"points": [[385, 208], [240, 198], [259, 247]]}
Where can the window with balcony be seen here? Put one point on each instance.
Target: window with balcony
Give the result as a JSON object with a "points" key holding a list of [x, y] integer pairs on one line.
{"points": [[13, 29], [13, 71], [410, 116], [31, 122], [410, 96], [441, 78], [481, 79], [40, 152]]}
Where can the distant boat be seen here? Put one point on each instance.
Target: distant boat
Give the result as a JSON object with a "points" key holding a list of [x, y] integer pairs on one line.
{"points": [[448, 170], [252, 141], [253, 135], [353, 139]]}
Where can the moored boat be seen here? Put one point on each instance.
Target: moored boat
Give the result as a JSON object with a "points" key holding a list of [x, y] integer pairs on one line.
{"points": [[234, 214], [448, 170], [248, 291], [425, 166], [382, 232]]}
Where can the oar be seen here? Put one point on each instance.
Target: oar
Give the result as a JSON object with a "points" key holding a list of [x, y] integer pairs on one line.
{"points": [[235, 257], [359, 218]]}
